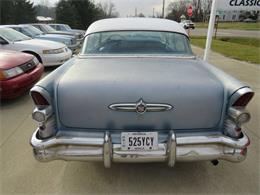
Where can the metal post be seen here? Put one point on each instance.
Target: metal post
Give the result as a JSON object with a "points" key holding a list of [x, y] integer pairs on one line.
{"points": [[210, 29], [216, 30]]}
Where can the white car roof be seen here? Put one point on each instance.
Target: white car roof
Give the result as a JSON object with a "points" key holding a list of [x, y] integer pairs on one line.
{"points": [[149, 24]]}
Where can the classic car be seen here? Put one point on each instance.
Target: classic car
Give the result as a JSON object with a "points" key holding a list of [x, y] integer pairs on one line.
{"points": [[137, 93], [49, 53], [30, 31], [18, 73]]}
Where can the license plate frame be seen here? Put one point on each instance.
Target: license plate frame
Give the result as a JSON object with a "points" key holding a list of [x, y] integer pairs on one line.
{"points": [[139, 141]]}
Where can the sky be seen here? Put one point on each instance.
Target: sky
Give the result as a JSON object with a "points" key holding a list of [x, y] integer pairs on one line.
{"points": [[127, 7]]}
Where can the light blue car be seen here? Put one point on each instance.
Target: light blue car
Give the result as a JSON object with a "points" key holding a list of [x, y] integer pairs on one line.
{"points": [[33, 32], [137, 93]]}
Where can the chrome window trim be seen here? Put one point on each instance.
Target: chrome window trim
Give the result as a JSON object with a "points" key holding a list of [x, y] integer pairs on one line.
{"points": [[240, 92]]}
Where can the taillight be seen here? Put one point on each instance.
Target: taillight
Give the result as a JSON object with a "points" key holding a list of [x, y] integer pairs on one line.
{"points": [[39, 99], [237, 115], [243, 100]]}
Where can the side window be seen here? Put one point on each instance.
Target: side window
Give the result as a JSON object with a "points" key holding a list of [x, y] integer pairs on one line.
{"points": [[3, 42], [17, 29], [62, 28], [24, 32]]}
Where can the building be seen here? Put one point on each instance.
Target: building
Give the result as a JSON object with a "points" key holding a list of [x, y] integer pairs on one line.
{"points": [[229, 16]]}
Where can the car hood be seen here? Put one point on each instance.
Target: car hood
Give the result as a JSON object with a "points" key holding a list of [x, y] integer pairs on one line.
{"points": [[10, 59], [91, 85], [62, 33], [56, 37], [42, 44], [79, 31]]}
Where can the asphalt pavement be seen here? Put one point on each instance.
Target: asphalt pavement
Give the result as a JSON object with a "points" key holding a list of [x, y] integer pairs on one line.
{"points": [[21, 173], [226, 33]]}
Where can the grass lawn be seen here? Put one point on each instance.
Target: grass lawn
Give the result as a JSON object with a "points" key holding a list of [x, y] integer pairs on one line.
{"points": [[232, 25], [245, 49]]}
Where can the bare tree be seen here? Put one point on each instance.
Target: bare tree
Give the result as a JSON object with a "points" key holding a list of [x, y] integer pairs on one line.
{"points": [[176, 10], [109, 9], [206, 7], [201, 10]]}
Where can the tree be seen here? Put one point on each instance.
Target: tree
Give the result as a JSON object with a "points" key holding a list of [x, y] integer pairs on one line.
{"points": [[141, 15], [109, 9], [81, 13], [197, 11], [176, 10], [66, 13], [206, 8], [17, 12], [201, 10]]}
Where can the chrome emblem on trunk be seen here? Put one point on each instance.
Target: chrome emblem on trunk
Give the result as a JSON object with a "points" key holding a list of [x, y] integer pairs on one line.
{"points": [[140, 107]]}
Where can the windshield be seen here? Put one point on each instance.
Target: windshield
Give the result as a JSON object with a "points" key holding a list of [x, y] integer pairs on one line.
{"points": [[67, 27], [32, 30], [48, 28], [136, 42], [12, 35]]}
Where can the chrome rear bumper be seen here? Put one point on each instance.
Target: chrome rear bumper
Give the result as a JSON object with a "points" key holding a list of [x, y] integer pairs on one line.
{"points": [[177, 148]]}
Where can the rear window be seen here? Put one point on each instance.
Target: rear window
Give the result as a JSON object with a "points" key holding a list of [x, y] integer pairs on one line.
{"points": [[136, 42]]}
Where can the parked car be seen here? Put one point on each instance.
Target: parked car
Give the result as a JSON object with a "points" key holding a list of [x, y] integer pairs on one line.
{"points": [[186, 24], [49, 30], [65, 27], [49, 53], [137, 93], [18, 73], [30, 31]]}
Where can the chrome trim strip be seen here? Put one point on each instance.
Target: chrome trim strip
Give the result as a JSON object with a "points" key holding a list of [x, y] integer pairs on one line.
{"points": [[42, 91], [132, 107], [178, 148], [234, 97], [84, 56]]}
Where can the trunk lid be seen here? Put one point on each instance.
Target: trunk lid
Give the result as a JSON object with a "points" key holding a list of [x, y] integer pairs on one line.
{"points": [[88, 88]]}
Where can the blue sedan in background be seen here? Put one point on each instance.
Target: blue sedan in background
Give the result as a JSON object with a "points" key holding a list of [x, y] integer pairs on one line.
{"points": [[29, 30]]}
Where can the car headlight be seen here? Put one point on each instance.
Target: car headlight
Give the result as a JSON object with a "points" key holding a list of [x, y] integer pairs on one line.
{"points": [[67, 43], [53, 51], [73, 41], [6, 74], [35, 61]]}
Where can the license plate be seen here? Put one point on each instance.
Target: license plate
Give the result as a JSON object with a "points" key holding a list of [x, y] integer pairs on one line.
{"points": [[139, 141]]}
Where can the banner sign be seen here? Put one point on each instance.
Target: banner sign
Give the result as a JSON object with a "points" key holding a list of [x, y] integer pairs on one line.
{"points": [[238, 5]]}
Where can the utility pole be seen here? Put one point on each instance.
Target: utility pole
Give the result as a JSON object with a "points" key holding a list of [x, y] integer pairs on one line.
{"points": [[163, 8], [135, 12], [153, 12]]}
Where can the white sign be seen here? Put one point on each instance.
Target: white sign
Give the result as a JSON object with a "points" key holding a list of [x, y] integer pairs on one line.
{"points": [[238, 5]]}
